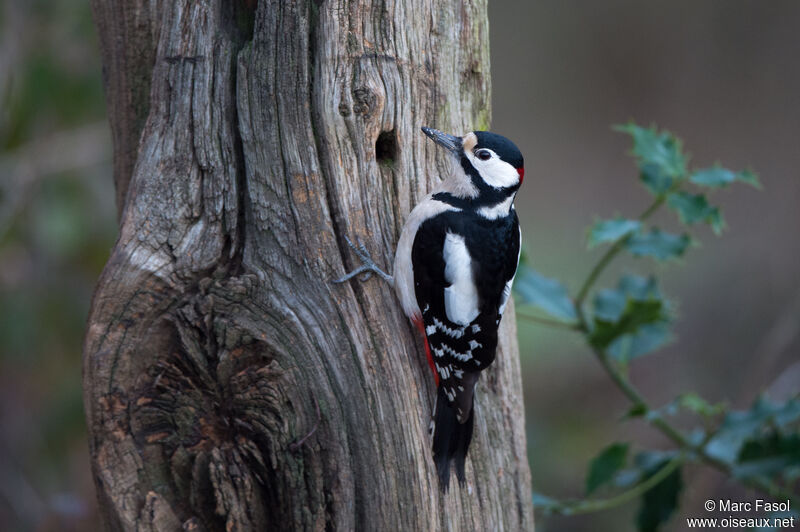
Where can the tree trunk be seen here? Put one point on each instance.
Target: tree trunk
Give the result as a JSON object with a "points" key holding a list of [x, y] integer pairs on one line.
{"points": [[228, 383]]}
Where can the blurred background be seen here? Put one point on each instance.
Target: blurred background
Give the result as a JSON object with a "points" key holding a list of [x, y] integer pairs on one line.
{"points": [[57, 226], [723, 75]]}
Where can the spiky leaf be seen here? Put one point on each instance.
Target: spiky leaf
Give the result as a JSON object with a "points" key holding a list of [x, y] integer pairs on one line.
{"points": [[716, 176], [657, 244], [740, 426], [693, 208], [606, 465], [544, 293], [659, 502], [768, 455], [611, 230], [624, 311], [658, 155], [644, 340]]}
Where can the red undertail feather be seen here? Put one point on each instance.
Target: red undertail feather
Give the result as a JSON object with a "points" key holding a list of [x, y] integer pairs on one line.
{"points": [[421, 328]]}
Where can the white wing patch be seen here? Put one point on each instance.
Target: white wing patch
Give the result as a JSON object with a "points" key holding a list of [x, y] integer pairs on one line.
{"points": [[461, 297], [510, 283], [506, 294]]}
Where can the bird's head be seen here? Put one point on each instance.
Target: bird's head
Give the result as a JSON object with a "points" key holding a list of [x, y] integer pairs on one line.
{"points": [[488, 159]]}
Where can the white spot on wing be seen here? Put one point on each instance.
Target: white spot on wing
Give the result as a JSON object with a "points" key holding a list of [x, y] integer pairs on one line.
{"points": [[505, 296], [461, 297], [452, 333], [455, 354]]}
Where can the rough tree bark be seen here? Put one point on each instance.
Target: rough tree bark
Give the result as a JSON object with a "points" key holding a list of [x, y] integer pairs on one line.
{"points": [[228, 383]]}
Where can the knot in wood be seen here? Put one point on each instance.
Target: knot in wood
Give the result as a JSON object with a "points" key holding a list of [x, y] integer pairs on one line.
{"points": [[363, 101]]}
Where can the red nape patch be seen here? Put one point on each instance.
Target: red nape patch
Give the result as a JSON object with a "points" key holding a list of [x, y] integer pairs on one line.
{"points": [[521, 172], [421, 328]]}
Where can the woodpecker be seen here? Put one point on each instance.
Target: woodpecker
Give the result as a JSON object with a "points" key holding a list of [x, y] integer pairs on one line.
{"points": [[453, 271]]}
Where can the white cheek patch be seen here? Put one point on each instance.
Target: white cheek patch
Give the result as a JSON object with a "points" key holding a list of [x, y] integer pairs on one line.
{"points": [[461, 297], [495, 172]]}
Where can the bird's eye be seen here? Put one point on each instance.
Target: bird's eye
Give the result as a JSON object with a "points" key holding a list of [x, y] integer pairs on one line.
{"points": [[484, 155]]}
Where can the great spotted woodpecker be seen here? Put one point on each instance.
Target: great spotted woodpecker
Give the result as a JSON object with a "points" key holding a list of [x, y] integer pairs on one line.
{"points": [[453, 270]]}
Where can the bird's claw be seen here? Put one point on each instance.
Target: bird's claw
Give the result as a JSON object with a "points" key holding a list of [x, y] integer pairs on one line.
{"points": [[368, 266]]}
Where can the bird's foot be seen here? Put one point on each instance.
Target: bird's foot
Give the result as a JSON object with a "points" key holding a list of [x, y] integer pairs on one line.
{"points": [[368, 266]]}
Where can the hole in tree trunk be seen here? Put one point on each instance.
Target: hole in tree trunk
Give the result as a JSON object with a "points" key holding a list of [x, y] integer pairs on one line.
{"points": [[386, 148]]}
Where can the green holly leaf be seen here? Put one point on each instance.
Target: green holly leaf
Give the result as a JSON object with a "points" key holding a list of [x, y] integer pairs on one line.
{"points": [[748, 177], [655, 180], [657, 244], [606, 465], [646, 339], [625, 311], [658, 155], [635, 315], [544, 293], [740, 426], [716, 176], [693, 208], [694, 403], [611, 230], [659, 502], [769, 455], [639, 287]]}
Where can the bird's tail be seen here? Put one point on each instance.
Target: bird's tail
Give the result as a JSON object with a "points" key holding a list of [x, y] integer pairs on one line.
{"points": [[450, 439]]}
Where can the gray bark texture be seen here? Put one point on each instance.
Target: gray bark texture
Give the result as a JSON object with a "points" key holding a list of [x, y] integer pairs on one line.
{"points": [[228, 384]]}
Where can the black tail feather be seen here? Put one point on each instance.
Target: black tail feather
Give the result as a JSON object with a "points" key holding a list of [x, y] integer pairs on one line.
{"points": [[450, 440]]}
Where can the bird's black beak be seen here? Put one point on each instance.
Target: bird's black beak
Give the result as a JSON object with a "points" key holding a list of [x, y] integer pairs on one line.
{"points": [[449, 142]]}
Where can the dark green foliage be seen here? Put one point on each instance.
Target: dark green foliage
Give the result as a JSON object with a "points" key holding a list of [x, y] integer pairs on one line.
{"points": [[694, 403], [693, 208], [658, 155], [716, 176], [738, 427], [657, 244], [775, 453], [544, 293], [630, 320], [611, 230], [605, 465], [759, 447], [659, 503]]}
